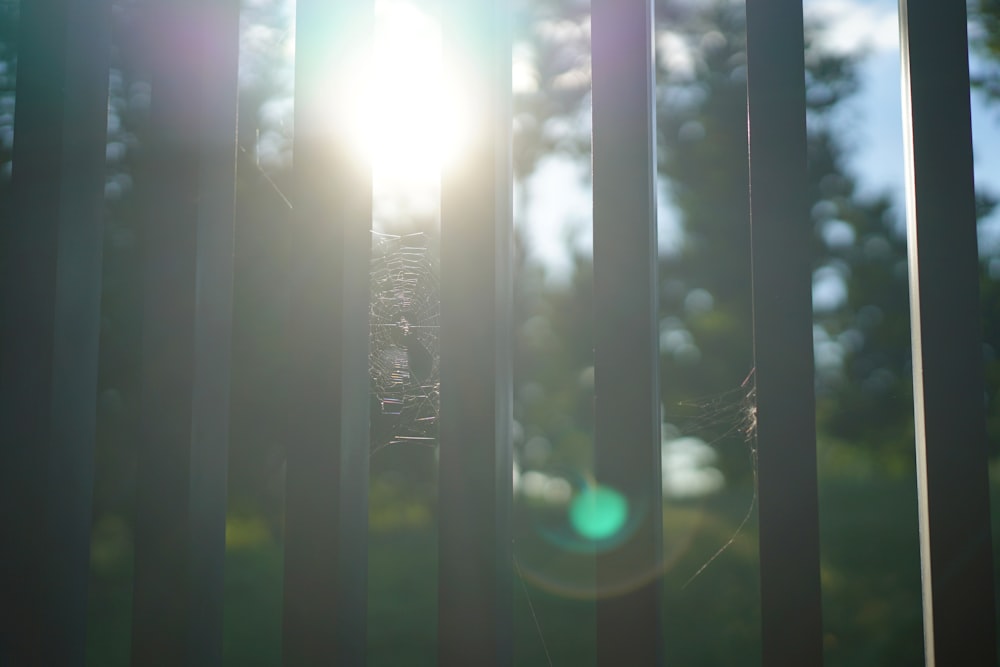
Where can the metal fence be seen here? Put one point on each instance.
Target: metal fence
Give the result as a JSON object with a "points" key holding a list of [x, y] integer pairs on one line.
{"points": [[50, 317]]}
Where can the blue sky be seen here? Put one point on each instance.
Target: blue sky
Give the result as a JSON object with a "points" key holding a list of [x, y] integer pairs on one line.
{"points": [[559, 205], [879, 145]]}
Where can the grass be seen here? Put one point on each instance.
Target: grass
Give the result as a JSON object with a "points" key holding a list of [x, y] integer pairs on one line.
{"points": [[870, 576]]}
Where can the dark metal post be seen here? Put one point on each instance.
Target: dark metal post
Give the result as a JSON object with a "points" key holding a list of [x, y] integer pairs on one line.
{"points": [[326, 501], [626, 346], [51, 292], [189, 189], [952, 482], [791, 623], [475, 605]]}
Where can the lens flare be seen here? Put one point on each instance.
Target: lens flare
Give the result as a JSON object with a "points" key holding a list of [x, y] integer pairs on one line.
{"points": [[598, 513], [565, 518]]}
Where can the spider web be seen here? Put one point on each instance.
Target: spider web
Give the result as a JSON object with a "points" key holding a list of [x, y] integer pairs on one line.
{"points": [[737, 409], [403, 358], [716, 418]]}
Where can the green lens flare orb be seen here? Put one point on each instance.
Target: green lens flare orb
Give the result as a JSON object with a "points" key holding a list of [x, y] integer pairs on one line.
{"points": [[598, 512]]}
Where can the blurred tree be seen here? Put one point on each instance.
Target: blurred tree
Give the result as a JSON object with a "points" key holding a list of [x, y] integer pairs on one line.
{"points": [[861, 328], [984, 40], [859, 282], [861, 318], [706, 306], [120, 359], [864, 388], [706, 326], [9, 12]]}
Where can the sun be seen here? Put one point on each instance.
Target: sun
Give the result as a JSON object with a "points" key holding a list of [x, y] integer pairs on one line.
{"points": [[409, 126]]}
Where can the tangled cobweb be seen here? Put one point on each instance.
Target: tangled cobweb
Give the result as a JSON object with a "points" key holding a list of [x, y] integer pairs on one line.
{"points": [[403, 361]]}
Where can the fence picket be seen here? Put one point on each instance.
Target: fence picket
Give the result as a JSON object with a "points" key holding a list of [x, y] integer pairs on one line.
{"points": [[952, 465], [188, 180], [49, 323], [326, 498], [626, 352], [475, 466], [791, 625]]}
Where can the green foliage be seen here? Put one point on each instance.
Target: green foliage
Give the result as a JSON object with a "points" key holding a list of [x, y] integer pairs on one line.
{"points": [[984, 16], [863, 386], [9, 13], [870, 571], [857, 250], [555, 35], [989, 285], [705, 283]]}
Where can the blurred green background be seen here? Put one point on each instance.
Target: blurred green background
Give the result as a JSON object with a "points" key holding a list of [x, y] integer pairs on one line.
{"points": [[870, 564]]}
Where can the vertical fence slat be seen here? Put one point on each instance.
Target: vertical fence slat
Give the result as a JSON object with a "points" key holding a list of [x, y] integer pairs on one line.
{"points": [[627, 407], [791, 623], [51, 313], [474, 594], [189, 196], [952, 480], [326, 501], [213, 341]]}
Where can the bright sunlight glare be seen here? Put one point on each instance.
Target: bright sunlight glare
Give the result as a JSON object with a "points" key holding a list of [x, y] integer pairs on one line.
{"points": [[409, 127]]}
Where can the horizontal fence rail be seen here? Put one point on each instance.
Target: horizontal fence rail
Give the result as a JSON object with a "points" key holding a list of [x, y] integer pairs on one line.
{"points": [[50, 323]]}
